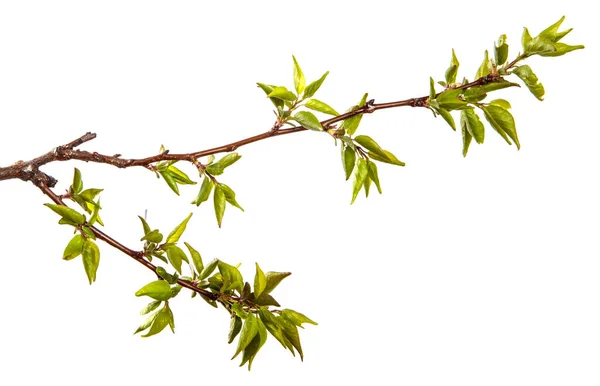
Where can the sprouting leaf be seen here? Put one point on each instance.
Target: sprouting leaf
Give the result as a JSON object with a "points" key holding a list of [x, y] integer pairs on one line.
{"points": [[323, 107], [452, 70], [498, 85], [503, 122], [260, 281], [351, 124], [89, 195], [145, 225], [176, 256], [175, 290], [196, 258], [296, 317], [447, 117], [369, 144], [170, 180], [475, 94], [95, 217], [67, 213], [470, 120], [268, 89], [501, 50], [348, 160], [235, 326], [360, 175], [466, 135], [373, 175], [150, 307], [91, 259], [204, 193], [219, 203], [158, 290], [547, 42], [255, 345], [531, 81], [273, 280], [249, 331], [89, 233], [77, 184], [266, 300], [290, 331], [218, 167], [160, 271], [163, 318], [308, 120], [282, 93], [299, 80], [230, 196], [147, 323], [176, 233], [154, 236], [367, 184], [431, 89], [312, 88], [450, 99], [231, 276], [501, 103], [179, 176], [485, 68], [74, 248], [390, 158], [208, 269]]}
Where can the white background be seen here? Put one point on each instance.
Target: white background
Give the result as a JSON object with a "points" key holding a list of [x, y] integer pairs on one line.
{"points": [[476, 271]]}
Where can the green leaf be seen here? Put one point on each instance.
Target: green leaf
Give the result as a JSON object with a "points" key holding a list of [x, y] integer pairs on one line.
{"points": [[466, 135], [373, 175], [431, 89], [166, 275], [149, 308], [67, 213], [485, 68], [322, 107], [88, 232], [208, 269], [525, 38], [450, 100], [235, 325], [452, 70], [230, 196], [348, 160], [196, 258], [170, 180], [176, 233], [501, 103], [390, 158], [475, 94], [271, 323], [154, 236], [312, 88], [147, 323], [95, 217], [218, 167], [447, 117], [498, 85], [360, 175], [282, 93], [145, 225], [501, 50], [260, 281], [547, 42], [351, 124], [473, 125], [163, 318], [219, 202], [503, 122], [531, 81], [91, 259], [158, 290], [308, 120], [273, 280], [231, 276], [290, 331], [89, 195], [266, 300], [176, 256], [268, 89], [249, 331], [74, 248], [299, 80], [204, 193], [179, 176], [255, 345], [369, 144], [296, 317], [77, 184]]}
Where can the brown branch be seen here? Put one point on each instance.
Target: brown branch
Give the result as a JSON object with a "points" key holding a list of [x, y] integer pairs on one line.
{"points": [[23, 170]]}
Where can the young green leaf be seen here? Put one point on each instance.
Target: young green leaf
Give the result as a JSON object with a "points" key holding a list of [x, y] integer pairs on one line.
{"points": [[296, 317], [219, 203], [273, 280], [158, 290], [149, 308], [67, 213], [348, 160], [74, 248], [367, 185], [77, 184], [147, 323], [389, 159], [485, 68], [91, 259], [360, 175], [447, 117], [249, 331], [170, 180], [268, 89], [450, 99], [255, 345], [204, 193], [531, 81], [231, 275], [501, 103], [208, 269], [431, 89], [145, 225], [218, 167], [369, 144], [230, 196], [312, 88], [373, 175], [160, 271], [260, 281], [452, 70], [290, 331], [176, 233], [235, 325], [282, 93], [179, 176], [163, 318], [154, 236], [89, 195], [502, 121], [322, 107], [466, 135], [473, 125], [501, 50], [176, 256], [351, 124], [308, 120], [196, 258], [299, 80]]}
